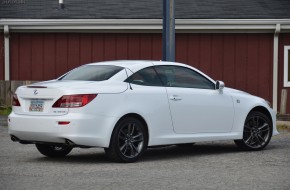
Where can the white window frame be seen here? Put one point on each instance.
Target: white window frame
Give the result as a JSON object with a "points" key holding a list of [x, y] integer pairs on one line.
{"points": [[286, 65]]}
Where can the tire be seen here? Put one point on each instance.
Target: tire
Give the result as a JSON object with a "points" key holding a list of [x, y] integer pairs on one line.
{"points": [[186, 145], [257, 132], [128, 142], [53, 150]]}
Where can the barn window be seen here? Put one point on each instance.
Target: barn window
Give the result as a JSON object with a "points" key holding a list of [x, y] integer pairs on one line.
{"points": [[287, 66]]}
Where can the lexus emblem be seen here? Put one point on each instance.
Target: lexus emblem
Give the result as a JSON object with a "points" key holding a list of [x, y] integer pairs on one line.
{"points": [[35, 92]]}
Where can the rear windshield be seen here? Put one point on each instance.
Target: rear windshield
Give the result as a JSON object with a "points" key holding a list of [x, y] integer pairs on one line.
{"points": [[92, 73]]}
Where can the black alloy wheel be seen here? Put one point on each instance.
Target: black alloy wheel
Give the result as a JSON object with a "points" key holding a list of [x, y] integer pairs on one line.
{"points": [[53, 150], [128, 142], [257, 132]]}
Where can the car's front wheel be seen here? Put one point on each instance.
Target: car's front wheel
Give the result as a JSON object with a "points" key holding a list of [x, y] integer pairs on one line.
{"points": [[129, 140], [53, 150], [257, 132]]}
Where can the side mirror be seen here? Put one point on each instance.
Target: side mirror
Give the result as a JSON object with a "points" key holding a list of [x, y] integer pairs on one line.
{"points": [[219, 85]]}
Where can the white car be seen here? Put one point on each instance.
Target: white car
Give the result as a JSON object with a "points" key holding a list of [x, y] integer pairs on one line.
{"points": [[127, 106]]}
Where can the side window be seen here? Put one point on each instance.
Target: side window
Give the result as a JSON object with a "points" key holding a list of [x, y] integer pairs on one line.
{"points": [[177, 76], [145, 77]]}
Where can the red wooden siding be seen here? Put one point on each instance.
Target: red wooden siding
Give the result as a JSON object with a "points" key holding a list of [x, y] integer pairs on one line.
{"points": [[242, 61], [1, 56], [284, 40], [46, 56]]}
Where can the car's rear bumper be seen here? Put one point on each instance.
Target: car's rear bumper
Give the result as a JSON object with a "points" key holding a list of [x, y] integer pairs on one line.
{"points": [[83, 130]]}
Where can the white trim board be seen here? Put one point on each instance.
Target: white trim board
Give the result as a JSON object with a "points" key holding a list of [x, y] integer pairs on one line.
{"points": [[286, 66], [195, 25]]}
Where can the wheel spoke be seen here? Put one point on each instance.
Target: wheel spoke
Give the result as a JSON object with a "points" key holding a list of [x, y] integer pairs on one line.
{"points": [[122, 132], [131, 150], [138, 137], [121, 137], [264, 130], [122, 147], [260, 137], [258, 121], [135, 148], [250, 137], [253, 121], [252, 140], [263, 126], [126, 148], [247, 126], [132, 128], [257, 141], [137, 140]]}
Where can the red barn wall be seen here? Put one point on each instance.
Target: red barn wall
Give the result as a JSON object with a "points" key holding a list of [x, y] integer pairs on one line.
{"points": [[242, 61], [47, 56], [2, 56], [284, 40]]}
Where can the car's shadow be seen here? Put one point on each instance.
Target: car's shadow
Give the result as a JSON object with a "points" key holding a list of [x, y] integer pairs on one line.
{"points": [[89, 158], [174, 152], [153, 154]]}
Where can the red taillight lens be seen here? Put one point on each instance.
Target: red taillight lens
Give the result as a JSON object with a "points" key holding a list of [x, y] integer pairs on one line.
{"points": [[74, 101], [15, 101], [63, 122]]}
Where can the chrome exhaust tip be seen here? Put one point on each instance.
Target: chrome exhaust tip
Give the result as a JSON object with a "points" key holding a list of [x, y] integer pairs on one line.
{"points": [[14, 139], [69, 142]]}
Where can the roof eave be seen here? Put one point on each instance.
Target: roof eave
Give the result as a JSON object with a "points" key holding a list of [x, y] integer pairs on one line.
{"points": [[144, 24]]}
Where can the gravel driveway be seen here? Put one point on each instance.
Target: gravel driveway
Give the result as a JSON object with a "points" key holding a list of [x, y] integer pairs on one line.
{"points": [[218, 165]]}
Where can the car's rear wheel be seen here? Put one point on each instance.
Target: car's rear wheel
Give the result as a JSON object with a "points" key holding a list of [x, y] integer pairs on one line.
{"points": [[257, 132], [128, 142], [53, 150]]}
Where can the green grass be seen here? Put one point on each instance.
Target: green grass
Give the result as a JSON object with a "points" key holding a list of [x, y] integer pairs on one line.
{"points": [[282, 127], [5, 110]]}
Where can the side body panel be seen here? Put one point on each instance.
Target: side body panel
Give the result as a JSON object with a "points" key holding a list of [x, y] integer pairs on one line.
{"points": [[200, 110]]}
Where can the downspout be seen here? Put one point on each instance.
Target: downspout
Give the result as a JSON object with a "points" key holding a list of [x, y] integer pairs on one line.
{"points": [[6, 54], [275, 67]]}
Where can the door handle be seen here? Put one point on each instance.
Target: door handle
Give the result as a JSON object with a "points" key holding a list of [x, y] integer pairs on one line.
{"points": [[175, 97]]}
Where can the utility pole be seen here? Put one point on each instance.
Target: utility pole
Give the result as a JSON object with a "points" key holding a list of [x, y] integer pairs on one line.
{"points": [[168, 32]]}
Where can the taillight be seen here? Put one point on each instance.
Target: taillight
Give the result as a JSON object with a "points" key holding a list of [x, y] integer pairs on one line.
{"points": [[74, 101], [15, 101]]}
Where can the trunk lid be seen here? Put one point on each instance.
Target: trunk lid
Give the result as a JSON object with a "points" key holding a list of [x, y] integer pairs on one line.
{"points": [[38, 99]]}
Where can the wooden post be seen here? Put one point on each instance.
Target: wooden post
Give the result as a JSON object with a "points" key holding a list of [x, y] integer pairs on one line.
{"points": [[5, 96], [2, 93], [8, 88], [283, 101]]}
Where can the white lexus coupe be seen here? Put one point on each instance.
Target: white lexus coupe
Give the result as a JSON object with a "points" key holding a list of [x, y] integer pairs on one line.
{"points": [[127, 106]]}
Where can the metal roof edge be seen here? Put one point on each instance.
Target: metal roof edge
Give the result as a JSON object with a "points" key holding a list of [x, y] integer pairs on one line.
{"points": [[143, 24]]}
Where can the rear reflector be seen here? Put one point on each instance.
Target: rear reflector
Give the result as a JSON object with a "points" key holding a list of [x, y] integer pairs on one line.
{"points": [[15, 101], [63, 122], [74, 101]]}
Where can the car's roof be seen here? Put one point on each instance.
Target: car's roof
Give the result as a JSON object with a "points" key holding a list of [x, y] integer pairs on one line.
{"points": [[122, 63], [125, 63], [136, 64]]}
